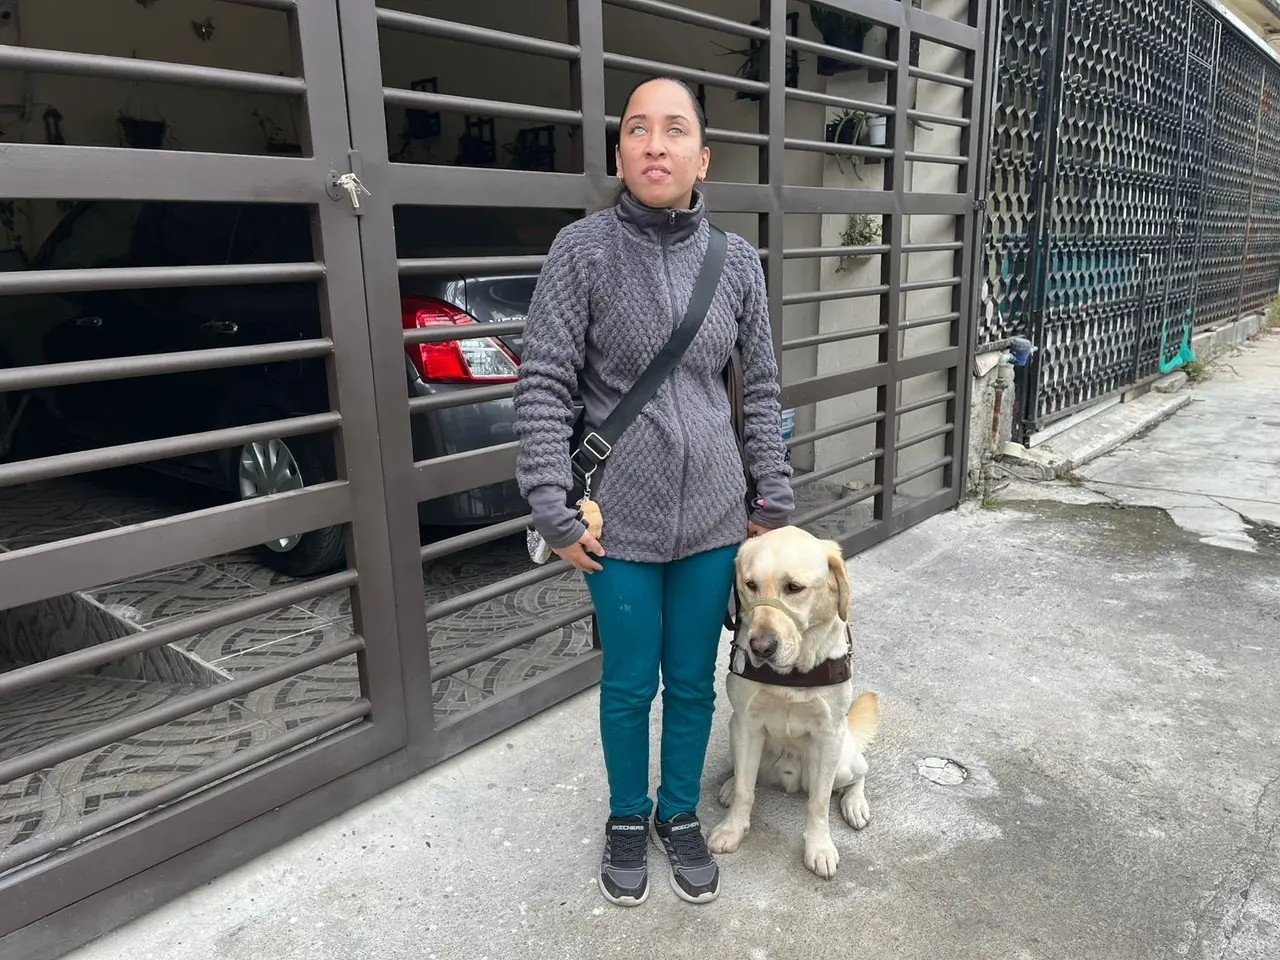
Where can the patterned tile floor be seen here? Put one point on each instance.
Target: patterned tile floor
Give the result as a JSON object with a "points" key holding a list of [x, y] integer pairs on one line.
{"points": [[33, 515], [54, 711]]}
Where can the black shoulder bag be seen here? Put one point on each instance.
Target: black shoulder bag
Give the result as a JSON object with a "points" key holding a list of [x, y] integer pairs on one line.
{"points": [[593, 449]]}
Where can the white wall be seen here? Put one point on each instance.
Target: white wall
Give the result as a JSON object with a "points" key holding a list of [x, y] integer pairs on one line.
{"points": [[850, 314], [244, 38]]}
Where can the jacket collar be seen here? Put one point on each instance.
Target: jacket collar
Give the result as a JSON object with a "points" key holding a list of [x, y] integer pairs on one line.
{"points": [[670, 226]]}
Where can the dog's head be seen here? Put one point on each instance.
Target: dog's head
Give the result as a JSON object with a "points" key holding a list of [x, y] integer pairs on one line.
{"points": [[789, 581]]}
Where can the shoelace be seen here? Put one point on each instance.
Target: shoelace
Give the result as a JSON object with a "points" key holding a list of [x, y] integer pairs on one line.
{"points": [[691, 847], [626, 849]]}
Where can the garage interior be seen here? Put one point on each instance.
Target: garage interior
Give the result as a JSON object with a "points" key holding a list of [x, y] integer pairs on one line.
{"points": [[159, 666]]}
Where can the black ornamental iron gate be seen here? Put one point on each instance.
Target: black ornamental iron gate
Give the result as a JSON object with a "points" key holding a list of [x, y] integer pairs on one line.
{"points": [[1132, 191], [868, 258]]}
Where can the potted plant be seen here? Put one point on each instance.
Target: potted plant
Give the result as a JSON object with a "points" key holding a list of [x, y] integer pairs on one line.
{"points": [[141, 133], [861, 231], [876, 129], [838, 30], [276, 139], [749, 69], [533, 149], [846, 128]]}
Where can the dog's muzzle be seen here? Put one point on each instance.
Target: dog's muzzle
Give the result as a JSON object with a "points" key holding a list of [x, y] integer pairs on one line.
{"points": [[763, 647]]}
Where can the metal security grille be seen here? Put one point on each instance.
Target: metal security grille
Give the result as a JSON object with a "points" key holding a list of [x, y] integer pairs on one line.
{"points": [[1144, 222], [877, 320], [1021, 86]]}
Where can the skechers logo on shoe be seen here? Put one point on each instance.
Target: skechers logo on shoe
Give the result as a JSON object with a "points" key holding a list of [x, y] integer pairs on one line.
{"points": [[628, 828], [680, 828]]}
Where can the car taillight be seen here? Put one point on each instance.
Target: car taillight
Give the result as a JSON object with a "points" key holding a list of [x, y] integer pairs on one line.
{"points": [[474, 360]]}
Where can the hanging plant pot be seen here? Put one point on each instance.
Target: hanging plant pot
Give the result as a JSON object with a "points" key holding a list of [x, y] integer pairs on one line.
{"points": [[876, 128], [841, 130], [143, 134], [838, 30]]}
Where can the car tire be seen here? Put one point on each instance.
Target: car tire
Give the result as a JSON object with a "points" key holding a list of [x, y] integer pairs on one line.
{"points": [[300, 462]]}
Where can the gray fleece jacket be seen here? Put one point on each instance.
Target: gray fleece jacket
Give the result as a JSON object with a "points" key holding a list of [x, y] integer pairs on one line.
{"points": [[614, 286]]}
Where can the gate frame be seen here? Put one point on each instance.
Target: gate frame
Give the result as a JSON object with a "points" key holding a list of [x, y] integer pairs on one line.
{"points": [[65, 900]]}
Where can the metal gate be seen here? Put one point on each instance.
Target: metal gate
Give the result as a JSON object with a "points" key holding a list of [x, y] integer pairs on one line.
{"points": [[774, 48], [880, 401], [1132, 192], [91, 872]]}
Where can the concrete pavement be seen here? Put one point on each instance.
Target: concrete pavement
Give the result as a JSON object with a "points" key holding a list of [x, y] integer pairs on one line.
{"points": [[1106, 678]]}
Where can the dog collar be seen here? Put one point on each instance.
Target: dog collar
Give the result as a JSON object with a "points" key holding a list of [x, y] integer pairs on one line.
{"points": [[828, 673]]}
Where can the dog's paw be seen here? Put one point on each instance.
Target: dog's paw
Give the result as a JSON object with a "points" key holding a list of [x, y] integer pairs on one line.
{"points": [[854, 808], [726, 838], [726, 793], [822, 857]]}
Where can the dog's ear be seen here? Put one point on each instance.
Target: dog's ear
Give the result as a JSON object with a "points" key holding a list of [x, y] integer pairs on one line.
{"points": [[740, 559], [835, 560]]}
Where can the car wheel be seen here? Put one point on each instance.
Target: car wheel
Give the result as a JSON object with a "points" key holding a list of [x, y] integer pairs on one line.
{"points": [[273, 466]]}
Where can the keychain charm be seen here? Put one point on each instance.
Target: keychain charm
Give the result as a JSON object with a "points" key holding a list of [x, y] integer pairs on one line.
{"points": [[589, 513]]}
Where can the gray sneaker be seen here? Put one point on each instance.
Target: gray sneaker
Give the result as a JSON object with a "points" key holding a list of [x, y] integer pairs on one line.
{"points": [[624, 867], [695, 877]]}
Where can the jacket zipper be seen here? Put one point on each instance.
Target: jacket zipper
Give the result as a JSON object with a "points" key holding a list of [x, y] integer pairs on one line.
{"points": [[675, 391]]}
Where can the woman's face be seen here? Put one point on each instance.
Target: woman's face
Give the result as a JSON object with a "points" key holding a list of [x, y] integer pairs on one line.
{"points": [[660, 150]]}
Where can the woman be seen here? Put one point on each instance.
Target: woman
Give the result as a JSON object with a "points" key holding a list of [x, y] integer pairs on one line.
{"points": [[614, 286]]}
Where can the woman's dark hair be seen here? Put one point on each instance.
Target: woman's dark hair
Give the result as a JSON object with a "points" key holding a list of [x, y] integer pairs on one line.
{"points": [[699, 114]]}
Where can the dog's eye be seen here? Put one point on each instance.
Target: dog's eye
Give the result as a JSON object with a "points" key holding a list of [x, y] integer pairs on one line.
{"points": [[751, 585], [795, 588]]}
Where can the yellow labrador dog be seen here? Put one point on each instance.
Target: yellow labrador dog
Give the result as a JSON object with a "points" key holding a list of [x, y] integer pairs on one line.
{"points": [[795, 723]]}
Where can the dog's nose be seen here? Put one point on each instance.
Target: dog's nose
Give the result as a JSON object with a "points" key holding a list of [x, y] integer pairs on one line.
{"points": [[764, 645]]}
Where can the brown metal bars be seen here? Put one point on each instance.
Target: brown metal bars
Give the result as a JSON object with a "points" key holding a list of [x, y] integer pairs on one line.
{"points": [[40, 171]]}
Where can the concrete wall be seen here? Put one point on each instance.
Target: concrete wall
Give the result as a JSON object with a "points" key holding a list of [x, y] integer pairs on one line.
{"points": [[989, 375]]}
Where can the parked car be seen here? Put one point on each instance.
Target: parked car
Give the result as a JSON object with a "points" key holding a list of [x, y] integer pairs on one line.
{"points": [[56, 328]]}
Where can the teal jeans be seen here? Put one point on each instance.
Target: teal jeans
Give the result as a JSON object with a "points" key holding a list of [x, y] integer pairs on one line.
{"points": [[659, 619]]}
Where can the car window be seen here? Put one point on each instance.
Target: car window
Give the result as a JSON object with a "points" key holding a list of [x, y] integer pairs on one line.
{"points": [[273, 233], [97, 235], [188, 234], [445, 231]]}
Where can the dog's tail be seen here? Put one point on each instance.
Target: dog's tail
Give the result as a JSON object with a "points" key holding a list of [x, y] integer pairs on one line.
{"points": [[864, 719]]}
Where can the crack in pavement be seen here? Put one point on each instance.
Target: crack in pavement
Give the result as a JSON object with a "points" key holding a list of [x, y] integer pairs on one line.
{"points": [[1181, 493], [1195, 501], [1254, 870]]}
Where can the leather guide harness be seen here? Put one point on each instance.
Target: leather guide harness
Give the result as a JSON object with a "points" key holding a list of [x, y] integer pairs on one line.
{"points": [[828, 673]]}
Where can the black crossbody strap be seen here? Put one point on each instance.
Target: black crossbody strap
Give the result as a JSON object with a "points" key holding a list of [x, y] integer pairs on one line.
{"points": [[597, 444]]}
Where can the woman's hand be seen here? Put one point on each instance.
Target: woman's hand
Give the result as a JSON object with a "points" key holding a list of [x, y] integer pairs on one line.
{"points": [[579, 554]]}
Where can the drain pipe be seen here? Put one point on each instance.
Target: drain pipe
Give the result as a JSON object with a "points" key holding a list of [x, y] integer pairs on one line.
{"points": [[1020, 350], [1004, 377]]}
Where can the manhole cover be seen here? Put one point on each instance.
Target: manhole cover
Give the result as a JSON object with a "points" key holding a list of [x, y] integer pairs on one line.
{"points": [[943, 771]]}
